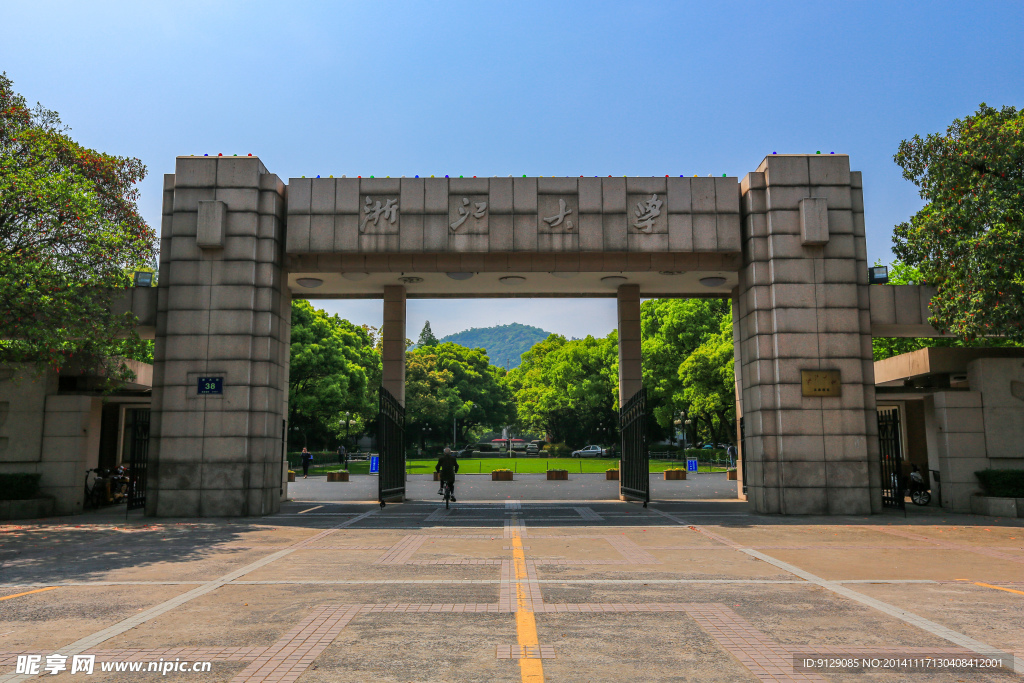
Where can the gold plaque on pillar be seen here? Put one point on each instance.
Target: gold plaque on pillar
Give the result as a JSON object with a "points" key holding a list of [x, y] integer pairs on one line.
{"points": [[821, 383]]}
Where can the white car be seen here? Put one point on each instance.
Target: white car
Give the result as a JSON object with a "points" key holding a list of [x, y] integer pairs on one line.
{"points": [[589, 452]]}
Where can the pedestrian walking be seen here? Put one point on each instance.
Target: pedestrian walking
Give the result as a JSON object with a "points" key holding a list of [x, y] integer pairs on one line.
{"points": [[732, 453], [343, 456], [307, 460]]}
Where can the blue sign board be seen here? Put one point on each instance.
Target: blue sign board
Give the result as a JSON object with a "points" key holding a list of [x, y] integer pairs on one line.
{"points": [[691, 464], [211, 385], [374, 464]]}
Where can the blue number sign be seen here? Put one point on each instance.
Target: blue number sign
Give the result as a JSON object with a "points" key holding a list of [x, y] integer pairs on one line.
{"points": [[211, 385], [691, 464], [374, 464]]}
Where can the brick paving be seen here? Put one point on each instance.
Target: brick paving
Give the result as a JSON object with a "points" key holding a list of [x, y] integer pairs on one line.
{"points": [[520, 587]]}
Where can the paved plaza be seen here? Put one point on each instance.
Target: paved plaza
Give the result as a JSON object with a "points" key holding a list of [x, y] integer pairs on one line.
{"points": [[512, 591]]}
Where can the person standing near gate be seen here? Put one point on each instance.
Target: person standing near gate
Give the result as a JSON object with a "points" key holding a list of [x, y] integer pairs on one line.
{"points": [[731, 452], [343, 456], [307, 460]]}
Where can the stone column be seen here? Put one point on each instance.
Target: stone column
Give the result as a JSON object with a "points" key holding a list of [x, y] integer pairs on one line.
{"points": [[803, 305], [393, 360], [224, 313], [630, 375]]}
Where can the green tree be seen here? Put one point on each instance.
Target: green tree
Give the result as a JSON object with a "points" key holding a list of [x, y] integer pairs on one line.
{"points": [[671, 330], [427, 337], [334, 370], [708, 379], [447, 382], [968, 239], [569, 389], [70, 236], [886, 347]]}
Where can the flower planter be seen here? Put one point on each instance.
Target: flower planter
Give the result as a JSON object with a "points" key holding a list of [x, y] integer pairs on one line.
{"points": [[730, 475], [558, 474], [611, 474], [291, 476], [497, 475], [337, 476], [675, 474]]}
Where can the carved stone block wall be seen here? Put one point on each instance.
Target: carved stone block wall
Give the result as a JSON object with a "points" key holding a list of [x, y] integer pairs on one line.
{"points": [[802, 306], [223, 312]]}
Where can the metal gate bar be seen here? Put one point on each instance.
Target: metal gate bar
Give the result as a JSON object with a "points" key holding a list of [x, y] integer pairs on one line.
{"points": [[892, 458], [391, 446], [138, 456], [634, 475]]}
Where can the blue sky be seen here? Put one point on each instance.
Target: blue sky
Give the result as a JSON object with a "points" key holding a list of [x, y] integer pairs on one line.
{"points": [[536, 88]]}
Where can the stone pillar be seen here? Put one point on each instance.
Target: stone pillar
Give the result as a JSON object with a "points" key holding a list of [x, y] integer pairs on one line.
{"points": [[630, 374], [393, 360], [737, 367], [223, 313], [803, 305]]}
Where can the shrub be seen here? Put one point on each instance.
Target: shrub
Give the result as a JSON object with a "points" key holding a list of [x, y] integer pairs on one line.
{"points": [[1002, 483], [19, 485], [558, 450], [612, 469], [503, 469], [675, 469], [485, 447]]}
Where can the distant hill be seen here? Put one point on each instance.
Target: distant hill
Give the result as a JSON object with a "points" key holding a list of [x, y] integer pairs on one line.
{"points": [[504, 343]]}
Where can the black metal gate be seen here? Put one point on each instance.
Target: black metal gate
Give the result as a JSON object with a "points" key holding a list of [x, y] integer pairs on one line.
{"points": [[137, 442], [892, 458], [634, 475], [391, 447]]}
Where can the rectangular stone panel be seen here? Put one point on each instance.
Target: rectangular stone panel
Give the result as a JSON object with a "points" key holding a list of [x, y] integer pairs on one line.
{"points": [[678, 195], [380, 214], [188, 198], [501, 231], [195, 172], [390, 186], [727, 195], [435, 195], [558, 242], [346, 232], [473, 242], [591, 232], [211, 221], [322, 195], [500, 196], [643, 242], [615, 231], [435, 231], [524, 195], [785, 169], [557, 213], [300, 192], [411, 195], [702, 195], [613, 192], [411, 237], [524, 232], [833, 169], [590, 195], [647, 186], [378, 242], [647, 213], [705, 232], [321, 233], [468, 186], [728, 232], [554, 185], [346, 197]]}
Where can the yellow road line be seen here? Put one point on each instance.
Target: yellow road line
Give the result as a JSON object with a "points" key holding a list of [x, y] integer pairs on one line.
{"points": [[532, 670], [38, 590], [998, 588]]}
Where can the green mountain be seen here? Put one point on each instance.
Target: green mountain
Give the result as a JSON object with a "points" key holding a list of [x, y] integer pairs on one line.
{"points": [[504, 343]]}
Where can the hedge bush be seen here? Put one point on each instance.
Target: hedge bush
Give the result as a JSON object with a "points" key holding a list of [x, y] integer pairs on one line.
{"points": [[558, 450], [19, 485], [1002, 483]]}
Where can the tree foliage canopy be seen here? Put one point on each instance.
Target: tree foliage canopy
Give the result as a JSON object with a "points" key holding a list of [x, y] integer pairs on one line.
{"points": [[334, 370], [70, 236], [569, 389], [968, 238], [427, 337], [448, 381]]}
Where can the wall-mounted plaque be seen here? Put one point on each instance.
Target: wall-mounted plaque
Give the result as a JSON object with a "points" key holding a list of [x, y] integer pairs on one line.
{"points": [[211, 385], [821, 383]]}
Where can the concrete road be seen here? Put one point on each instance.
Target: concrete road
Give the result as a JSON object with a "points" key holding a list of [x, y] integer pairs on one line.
{"points": [[695, 590]]}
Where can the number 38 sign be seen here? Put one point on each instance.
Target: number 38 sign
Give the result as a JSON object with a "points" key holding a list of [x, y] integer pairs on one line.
{"points": [[211, 385]]}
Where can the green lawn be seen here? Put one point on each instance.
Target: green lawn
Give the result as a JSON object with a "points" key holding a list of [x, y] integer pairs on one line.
{"points": [[521, 465]]}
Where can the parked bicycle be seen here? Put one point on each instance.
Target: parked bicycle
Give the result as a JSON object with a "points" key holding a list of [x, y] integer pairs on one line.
{"points": [[107, 487]]}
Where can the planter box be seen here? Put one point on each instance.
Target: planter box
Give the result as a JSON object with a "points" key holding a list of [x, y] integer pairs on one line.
{"points": [[731, 475], [501, 476], [30, 508], [675, 474], [337, 476], [611, 474], [558, 474], [991, 506], [291, 476]]}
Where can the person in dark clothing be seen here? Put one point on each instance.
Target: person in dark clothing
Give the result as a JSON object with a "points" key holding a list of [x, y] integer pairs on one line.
{"points": [[307, 460], [343, 456], [447, 465]]}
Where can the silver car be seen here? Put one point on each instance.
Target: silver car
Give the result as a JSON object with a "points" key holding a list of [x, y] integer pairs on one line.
{"points": [[589, 452]]}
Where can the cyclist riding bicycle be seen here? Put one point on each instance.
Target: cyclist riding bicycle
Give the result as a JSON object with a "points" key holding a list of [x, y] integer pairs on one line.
{"points": [[447, 465]]}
